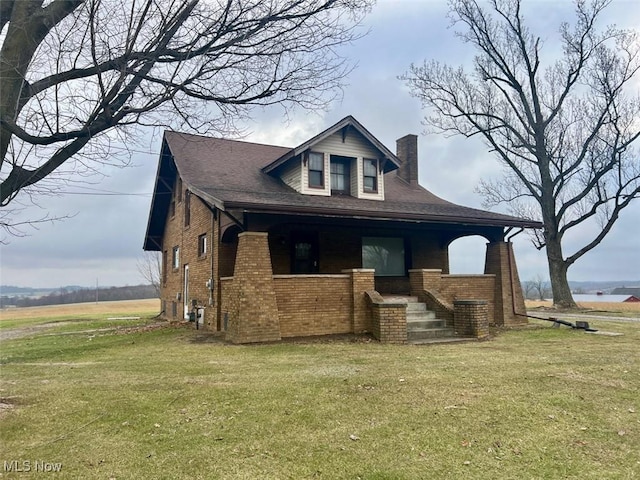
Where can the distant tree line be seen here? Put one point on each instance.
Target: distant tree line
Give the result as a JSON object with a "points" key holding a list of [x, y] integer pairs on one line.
{"points": [[64, 296]]}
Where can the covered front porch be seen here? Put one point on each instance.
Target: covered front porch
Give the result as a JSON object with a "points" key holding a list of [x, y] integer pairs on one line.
{"points": [[302, 279]]}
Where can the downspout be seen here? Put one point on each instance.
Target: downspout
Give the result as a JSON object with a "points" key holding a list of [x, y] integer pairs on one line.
{"points": [[211, 281]]}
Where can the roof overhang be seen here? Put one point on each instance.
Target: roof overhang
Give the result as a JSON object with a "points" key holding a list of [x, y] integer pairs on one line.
{"points": [[380, 215], [165, 176]]}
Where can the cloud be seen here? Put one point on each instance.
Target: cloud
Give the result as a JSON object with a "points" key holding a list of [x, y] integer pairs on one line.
{"points": [[104, 238]]}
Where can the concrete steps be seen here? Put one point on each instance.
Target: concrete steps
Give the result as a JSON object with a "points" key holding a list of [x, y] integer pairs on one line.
{"points": [[422, 324]]}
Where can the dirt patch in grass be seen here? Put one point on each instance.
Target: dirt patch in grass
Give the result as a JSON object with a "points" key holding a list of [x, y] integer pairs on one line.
{"points": [[7, 404]]}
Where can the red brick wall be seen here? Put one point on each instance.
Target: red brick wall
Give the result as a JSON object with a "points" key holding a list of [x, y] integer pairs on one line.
{"points": [[313, 304], [253, 316], [362, 281], [389, 320], [427, 253], [509, 300], [200, 267], [471, 318], [227, 301], [472, 287]]}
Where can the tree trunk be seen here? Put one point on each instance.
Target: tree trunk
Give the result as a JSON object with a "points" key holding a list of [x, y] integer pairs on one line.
{"points": [[558, 275]]}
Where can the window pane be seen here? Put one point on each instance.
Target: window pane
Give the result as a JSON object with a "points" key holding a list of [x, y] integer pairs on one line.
{"points": [[202, 244], [302, 251], [339, 168], [340, 172], [338, 182], [370, 169], [316, 161], [176, 257], [315, 179], [385, 255], [370, 184]]}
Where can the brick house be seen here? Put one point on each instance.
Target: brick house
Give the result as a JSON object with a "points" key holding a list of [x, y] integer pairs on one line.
{"points": [[332, 236]]}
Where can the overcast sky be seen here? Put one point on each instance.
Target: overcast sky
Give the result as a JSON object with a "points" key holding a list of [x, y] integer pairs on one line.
{"points": [[102, 240]]}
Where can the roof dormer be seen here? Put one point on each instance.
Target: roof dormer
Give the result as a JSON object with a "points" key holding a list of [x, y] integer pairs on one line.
{"points": [[345, 159]]}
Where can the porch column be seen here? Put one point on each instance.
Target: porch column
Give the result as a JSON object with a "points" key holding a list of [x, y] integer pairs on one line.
{"points": [[254, 311], [362, 280], [471, 318], [509, 301]]}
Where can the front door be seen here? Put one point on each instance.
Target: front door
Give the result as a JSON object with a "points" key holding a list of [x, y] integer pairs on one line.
{"points": [[304, 255]]}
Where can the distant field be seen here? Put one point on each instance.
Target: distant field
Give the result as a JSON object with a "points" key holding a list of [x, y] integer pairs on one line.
{"points": [[611, 307], [141, 307]]}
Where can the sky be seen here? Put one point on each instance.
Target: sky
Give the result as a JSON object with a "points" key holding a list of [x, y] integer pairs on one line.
{"points": [[100, 241]]}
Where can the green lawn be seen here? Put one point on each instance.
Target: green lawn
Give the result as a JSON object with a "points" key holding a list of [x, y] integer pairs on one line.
{"points": [[170, 403]]}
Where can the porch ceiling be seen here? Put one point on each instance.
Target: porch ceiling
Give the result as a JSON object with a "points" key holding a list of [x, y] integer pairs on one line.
{"points": [[265, 220]]}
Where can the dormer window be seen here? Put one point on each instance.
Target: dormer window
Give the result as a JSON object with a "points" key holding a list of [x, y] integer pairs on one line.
{"points": [[340, 178], [370, 175], [316, 170]]}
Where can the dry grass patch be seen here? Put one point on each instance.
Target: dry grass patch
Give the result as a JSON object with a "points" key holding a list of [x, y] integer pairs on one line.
{"points": [[626, 308], [144, 306]]}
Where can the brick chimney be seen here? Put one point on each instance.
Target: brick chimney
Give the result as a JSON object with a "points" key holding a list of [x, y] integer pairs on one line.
{"points": [[407, 152]]}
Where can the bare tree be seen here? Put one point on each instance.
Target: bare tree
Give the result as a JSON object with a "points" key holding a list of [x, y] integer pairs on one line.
{"points": [[537, 288], [150, 267], [81, 76], [563, 128], [529, 290]]}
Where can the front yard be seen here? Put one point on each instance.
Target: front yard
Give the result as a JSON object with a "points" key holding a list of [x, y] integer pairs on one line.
{"points": [[171, 402]]}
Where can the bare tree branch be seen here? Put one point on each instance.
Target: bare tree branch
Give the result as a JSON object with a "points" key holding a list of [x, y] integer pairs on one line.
{"points": [[565, 129], [73, 71]]}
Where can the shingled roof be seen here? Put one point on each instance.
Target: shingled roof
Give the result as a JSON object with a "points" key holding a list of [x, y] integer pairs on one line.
{"points": [[231, 174]]}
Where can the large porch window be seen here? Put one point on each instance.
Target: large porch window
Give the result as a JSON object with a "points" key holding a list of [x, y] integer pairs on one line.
{"points": [[385, 255]]}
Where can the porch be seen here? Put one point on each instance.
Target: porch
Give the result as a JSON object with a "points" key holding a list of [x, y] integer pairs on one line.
{"points": [[259, 305]]}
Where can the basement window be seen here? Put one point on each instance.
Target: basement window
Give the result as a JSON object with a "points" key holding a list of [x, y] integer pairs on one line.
{"points": [[384, 254]]}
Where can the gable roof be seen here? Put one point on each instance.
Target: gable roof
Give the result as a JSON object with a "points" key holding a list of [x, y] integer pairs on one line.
{"points": [[344, 126], [232, 174]]}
